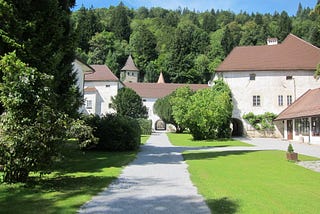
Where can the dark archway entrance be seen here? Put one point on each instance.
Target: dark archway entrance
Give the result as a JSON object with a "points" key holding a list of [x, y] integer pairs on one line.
{"points": [[237, 127], [160, 125]]}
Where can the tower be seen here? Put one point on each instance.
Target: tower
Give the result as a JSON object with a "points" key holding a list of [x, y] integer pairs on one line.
{"points": [[129, 73]]}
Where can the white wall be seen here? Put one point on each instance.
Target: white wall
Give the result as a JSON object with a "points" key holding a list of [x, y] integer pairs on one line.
{"points": [[149, 103], [269, 85], [90, 96], [105, 90]]}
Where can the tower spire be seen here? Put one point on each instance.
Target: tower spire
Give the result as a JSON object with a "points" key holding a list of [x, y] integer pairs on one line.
{"points": [[161, 79]]}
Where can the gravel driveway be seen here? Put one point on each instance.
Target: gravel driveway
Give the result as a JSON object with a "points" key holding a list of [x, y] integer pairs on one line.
{"points": [[156, 182]]}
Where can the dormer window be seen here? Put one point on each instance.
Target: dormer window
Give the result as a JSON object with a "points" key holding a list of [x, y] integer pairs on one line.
{"points": [[289, 77], [252, 76]]}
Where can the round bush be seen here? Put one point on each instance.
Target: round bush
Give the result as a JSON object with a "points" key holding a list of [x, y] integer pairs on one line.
{"points": [[118, 133]]}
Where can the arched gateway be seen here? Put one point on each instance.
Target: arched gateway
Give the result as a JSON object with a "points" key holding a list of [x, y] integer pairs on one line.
{"points": [[237, 127], [160, 125]]}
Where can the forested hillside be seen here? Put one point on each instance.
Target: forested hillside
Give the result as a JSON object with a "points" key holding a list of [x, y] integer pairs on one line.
{"points": [[185, 45]]}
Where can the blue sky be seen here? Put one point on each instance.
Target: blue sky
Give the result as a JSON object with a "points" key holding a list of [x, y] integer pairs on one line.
{"points": [[261, 6]]}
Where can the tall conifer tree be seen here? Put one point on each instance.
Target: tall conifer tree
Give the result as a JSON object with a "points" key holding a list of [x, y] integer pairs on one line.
{"points": [[42, 35]]}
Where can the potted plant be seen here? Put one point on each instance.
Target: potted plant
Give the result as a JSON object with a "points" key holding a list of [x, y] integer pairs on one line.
{"points": [[291, 155]]}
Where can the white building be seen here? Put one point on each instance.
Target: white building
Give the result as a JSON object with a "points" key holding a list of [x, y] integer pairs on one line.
{"points": [[302, 118], [268, 78], [99, 87], [81, 69], [150, 92]]}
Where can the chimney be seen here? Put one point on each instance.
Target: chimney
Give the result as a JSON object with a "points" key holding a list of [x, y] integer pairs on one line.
{"points": [[272, 41]]}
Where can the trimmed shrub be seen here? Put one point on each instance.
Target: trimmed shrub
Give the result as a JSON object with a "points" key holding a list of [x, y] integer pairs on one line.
{"points": [[115, 132], [145, 126]]}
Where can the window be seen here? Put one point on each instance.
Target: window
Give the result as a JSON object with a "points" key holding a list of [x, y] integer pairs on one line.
{"points": [[280, 100], [252, 76], [88, 104], [144, 100], [107, 86], [110, 105], [256, 100], [302, 126], [289, 100], [315, 121], [289, 78]]}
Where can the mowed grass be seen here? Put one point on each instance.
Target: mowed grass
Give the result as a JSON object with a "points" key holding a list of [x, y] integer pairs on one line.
{"points": [[144, 138], [254, 182], [75, 180], [185, 139]]}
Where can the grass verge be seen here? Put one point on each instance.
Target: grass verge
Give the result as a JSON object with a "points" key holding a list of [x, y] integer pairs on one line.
{"points": [[186, 140], [254, 182], [75, 180], [144, 138]]}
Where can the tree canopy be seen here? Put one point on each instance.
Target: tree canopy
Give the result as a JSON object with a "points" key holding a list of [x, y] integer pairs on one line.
{"points": [[206, 113], [128, 103], [175, 41], [43, 37], [38, 89]]}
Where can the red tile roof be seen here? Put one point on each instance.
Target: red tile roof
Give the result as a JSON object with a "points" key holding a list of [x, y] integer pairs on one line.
{"points": [[101, 73], [129, 66], [307, 105], [292, 54], [159, 90]]}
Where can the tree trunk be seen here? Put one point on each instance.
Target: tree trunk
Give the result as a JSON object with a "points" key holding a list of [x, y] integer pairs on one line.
{"points": [[15, 176]]}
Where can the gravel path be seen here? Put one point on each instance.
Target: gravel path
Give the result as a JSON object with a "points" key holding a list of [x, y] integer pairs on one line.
{"points": [[156, 182]]}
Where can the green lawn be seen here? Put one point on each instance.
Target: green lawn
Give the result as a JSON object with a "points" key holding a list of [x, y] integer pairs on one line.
{"points": [[186, 140], [254, 182], [144, 138], [79, 177]]}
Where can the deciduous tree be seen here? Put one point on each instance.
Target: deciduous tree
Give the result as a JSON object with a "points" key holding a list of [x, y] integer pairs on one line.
{"points": [[209, 113], [32, 130]]}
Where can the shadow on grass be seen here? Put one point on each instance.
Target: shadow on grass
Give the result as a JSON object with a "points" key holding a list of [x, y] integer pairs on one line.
{"points": [[93, 161], [62, 192], [50, 195], [223, 205], [213, 154]]}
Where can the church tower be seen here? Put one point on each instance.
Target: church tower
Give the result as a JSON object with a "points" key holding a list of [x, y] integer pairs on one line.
{"points": [[129, 73]]}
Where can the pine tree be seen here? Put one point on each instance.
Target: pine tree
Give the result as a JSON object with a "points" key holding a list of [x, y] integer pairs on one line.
{"points": [[45, 36], [38, 86], [129, 103], [120, 23], [285, 25], [87, 24]]}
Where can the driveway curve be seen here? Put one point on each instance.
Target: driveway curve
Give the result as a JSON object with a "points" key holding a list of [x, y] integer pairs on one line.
{"points": [[157, 181]]}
